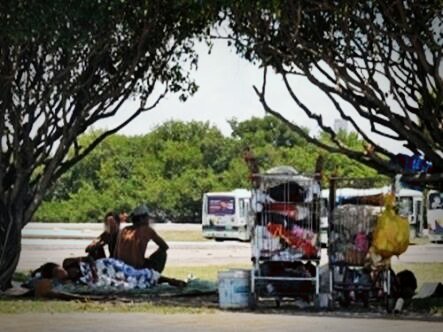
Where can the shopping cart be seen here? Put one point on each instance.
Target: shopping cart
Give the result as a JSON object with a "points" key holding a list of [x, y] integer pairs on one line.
{"points": [[354, 204], [285, 236]]}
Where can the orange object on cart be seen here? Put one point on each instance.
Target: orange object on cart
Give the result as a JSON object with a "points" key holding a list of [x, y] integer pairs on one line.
{"points": [[289, 210], [292, 239]]}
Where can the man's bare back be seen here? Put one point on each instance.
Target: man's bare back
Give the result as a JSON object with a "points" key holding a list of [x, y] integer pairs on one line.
{"points": [[133, 241]]}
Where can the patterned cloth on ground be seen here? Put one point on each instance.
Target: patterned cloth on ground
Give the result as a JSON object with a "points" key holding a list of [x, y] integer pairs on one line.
{"points": [[111, 272]]}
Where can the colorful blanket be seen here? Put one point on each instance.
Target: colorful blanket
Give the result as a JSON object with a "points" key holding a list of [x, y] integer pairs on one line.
{"points": [[110, 272]]}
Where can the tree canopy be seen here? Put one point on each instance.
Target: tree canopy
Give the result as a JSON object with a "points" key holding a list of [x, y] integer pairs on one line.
{"points": [[67, 64], [171, 167], [378, 62]]}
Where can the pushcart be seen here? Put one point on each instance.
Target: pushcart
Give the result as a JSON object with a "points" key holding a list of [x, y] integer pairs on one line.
{"points": [[285, 237], [354, 204]]}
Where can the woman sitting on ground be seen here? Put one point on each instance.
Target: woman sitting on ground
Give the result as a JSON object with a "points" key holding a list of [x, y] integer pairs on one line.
{"points": [[108, 237]]}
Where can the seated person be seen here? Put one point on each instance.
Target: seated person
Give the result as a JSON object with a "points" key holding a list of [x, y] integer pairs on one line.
{"points": [[123, 216], [108, 237], [133, 240]]}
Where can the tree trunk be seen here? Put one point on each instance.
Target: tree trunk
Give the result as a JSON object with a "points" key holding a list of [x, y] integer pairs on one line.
{"points": [[10, 247]]}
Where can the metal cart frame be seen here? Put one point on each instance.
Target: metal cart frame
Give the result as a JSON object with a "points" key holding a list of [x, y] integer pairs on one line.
{"points": [[339, 290], [258, 276]]}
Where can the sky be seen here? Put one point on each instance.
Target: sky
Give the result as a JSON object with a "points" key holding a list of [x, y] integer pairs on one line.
{"points": [[225, 92]]}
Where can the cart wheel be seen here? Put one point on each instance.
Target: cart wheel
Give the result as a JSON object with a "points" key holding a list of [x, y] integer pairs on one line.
{"points": [[317, 302], [344, 300], [389, 303], [365, 299], [252, 301], [332, 304]]}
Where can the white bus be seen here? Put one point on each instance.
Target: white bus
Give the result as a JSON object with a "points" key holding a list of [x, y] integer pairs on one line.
{"points": [[435, 216], [227, 215], [410, 205]]}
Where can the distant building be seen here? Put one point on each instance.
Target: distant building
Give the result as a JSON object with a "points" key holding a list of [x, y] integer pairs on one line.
{"points": [[340, 125]]}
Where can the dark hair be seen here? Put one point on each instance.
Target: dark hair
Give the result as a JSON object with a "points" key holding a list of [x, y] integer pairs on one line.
{"points": [[113, 215], [407, 284], [46, 270], [138, 219]]}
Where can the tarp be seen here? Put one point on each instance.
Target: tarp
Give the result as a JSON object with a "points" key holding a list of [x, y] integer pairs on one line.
{"points": [[430, 289]]}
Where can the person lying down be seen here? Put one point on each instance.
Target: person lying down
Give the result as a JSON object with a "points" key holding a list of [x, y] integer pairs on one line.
{"points": [[103, 273]]}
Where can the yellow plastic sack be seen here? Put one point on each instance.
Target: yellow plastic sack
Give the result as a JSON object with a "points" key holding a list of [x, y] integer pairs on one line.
{"points": [[391, 234]]}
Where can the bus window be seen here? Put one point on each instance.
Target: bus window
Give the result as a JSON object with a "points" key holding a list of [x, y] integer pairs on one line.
{"points": [[405, 206], [221, 205], [243, 207], [323, 207], [435, 201]]}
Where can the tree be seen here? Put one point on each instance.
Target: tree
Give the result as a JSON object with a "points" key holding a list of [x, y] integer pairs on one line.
{"points": [[380, 59], [169, 169], [172, 167], [64, 66], [274, 143], [266, 130]]}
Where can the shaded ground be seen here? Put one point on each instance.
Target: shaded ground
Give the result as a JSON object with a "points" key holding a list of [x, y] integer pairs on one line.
{"points": [[166, 299]]}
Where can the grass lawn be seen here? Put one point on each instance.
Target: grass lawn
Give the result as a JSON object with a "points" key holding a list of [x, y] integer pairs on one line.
{"points": [[191, 236], [208, 272], [420, 240]]}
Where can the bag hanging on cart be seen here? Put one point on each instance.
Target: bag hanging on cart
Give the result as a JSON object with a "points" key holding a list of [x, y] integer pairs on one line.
{"points": [[391, 234]]}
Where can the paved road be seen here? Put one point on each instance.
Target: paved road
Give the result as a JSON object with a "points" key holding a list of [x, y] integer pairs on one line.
{"points": [[42, 243], [204, 322], [38, 251], [86, 231]]}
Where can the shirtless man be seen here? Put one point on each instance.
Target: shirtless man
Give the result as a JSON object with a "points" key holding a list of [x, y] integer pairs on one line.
{"points": [[133, 240]]}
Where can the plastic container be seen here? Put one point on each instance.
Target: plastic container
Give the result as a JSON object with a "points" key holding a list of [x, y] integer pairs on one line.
{"points": [[234, 288]]}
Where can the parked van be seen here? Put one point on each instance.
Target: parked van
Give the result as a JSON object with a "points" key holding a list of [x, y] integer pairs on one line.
{"points": [[227, 215]]}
